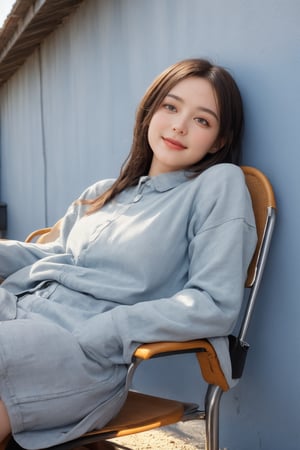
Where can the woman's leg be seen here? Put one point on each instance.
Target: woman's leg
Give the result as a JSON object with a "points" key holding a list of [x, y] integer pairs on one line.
{"points": [[5, 428]]}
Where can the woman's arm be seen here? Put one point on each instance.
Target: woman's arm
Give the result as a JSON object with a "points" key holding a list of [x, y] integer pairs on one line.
{"points": [[14, 255]]}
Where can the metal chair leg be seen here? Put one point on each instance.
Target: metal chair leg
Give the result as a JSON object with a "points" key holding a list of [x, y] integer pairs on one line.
{"points": [[212, 406]]}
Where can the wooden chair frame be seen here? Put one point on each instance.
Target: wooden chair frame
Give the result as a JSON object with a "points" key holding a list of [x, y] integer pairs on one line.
{"points": [[143, 412]]}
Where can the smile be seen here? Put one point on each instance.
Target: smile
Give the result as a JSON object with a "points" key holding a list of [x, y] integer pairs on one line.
{"points": [[172, 144]]}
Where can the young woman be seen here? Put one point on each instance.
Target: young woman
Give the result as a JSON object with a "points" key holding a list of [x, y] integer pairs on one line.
{"points": [[161, 253]]}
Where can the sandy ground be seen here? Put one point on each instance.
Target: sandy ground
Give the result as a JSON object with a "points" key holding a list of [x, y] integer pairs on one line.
{"points": [[182, 436]]}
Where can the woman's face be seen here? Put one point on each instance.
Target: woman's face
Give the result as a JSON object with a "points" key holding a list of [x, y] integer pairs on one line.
{"points": [[185, 127]]}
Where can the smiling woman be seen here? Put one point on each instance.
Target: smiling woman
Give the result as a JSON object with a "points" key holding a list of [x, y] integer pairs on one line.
{"points": [[159, 254]]}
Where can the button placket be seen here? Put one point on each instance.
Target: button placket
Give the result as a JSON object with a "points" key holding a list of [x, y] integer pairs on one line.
{"points": [[140, 189]]}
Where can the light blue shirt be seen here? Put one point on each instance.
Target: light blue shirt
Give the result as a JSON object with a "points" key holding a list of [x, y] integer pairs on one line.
{"points": [[164, 260]]}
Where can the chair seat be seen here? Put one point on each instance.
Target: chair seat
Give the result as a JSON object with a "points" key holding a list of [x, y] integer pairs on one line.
{"points": [[143, 412], [140, 413]]}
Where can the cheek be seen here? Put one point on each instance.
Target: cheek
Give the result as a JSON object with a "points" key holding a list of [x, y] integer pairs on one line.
{"points": [[201, 137], [204, 142], [149, 134], [159, 120], [154, 128]]}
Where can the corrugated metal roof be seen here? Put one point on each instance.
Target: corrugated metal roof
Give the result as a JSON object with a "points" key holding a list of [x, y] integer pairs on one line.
{"points": [[29, 22]]}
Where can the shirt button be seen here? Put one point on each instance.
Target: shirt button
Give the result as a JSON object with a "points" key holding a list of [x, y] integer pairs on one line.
{"points": [[137, 198]]}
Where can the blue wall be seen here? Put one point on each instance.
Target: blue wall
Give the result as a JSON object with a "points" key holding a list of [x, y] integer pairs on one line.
{"points": [[88, 77]]}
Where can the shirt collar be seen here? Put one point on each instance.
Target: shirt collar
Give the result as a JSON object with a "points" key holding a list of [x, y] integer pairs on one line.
{"points": [[166, 181]]}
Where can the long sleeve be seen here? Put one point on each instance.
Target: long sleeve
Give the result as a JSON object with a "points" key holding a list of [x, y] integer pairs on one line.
{"points": [[15, 255]]}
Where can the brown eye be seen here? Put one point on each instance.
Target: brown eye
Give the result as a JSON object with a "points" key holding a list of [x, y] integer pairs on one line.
{"points": [[169, 107], [202, 121]]}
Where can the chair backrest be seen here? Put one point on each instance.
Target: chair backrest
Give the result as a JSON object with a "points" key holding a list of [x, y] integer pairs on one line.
{"points": [[44, 235], [264, 206]]}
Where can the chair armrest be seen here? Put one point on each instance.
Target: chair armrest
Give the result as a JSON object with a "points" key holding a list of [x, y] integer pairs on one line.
{"points": [[156, 349], [206, 356]]}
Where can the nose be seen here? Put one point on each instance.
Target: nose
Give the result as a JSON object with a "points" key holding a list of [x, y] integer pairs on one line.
{"points": [[179, 129], [180, 125]]}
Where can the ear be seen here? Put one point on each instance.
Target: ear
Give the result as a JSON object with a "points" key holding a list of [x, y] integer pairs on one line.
{"points": [[217, 146]]}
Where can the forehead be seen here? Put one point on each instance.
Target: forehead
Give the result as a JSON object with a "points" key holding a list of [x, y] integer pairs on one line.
{"points": [[196, 91]]}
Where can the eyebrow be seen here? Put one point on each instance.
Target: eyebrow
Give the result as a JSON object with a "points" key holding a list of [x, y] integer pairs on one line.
{"points": [[200, 108]]}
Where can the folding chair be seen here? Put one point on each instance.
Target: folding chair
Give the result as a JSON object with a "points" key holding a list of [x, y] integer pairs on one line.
{"points": [[144, 412]]}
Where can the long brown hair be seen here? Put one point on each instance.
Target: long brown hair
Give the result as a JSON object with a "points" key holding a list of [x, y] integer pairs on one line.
{"points": [[231, 124]]}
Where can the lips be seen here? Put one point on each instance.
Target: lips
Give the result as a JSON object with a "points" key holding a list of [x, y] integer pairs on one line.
{"points": [[173, 144]]}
